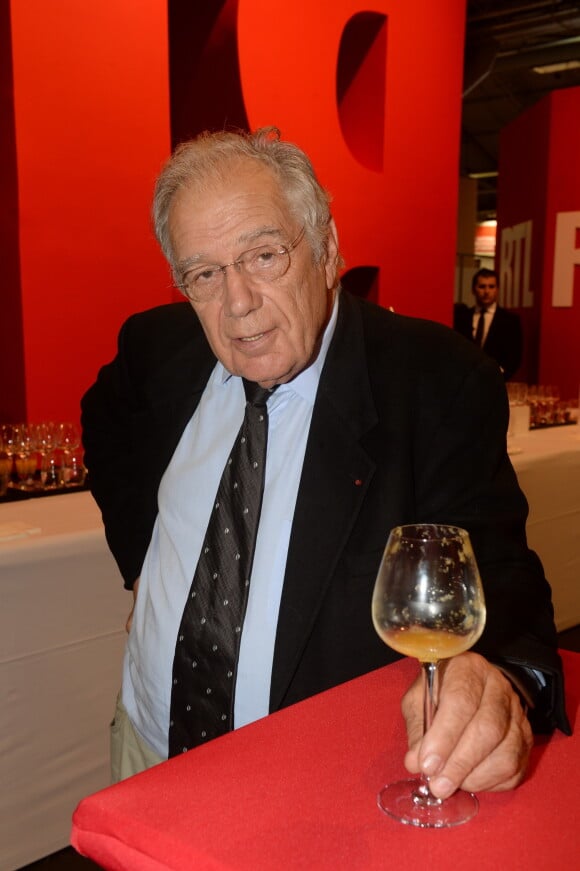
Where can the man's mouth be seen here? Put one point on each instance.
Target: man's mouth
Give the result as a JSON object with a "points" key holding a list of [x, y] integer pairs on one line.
{"points": [[251, 338]]}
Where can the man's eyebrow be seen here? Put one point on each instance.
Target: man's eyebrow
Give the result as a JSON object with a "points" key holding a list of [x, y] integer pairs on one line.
{"points": [[184, 266], [248, 238], [260, 233]]}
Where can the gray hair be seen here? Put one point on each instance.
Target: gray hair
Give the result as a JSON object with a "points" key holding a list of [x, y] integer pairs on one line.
{"points": [[200, 161]]}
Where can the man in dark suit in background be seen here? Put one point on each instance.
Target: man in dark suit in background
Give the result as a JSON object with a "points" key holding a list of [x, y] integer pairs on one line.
{"points": [[495, 329], [377, 420]]}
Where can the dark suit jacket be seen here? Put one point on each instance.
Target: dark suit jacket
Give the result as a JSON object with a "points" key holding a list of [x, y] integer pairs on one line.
{"points": [[408, 426], [504, 338]]}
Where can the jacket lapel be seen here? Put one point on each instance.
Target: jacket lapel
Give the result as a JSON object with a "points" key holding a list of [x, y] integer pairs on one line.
{"points": [[335, 477]]}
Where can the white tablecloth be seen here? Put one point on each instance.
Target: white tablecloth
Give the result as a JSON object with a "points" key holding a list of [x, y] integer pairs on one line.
{"points": [[547, 463], [62, 616]]}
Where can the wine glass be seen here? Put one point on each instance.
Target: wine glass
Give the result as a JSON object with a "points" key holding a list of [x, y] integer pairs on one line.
{"points": [[428, 603], [68, 436], [5, 465], [8, 432], [24, 456], [69, 440], [46, 441]]}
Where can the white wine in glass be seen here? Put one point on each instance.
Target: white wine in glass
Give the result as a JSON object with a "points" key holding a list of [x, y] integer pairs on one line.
{"points": [[428, 603]]}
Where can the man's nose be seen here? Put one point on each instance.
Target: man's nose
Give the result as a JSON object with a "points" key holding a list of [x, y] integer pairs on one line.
{"points": [[240, 296]]}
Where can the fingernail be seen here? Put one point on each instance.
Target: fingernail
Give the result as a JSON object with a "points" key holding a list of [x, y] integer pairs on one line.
{"points": [[442, 787], [432, 764]]}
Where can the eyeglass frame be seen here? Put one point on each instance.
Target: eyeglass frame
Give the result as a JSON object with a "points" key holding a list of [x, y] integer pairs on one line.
{"points": [[239, 264]]}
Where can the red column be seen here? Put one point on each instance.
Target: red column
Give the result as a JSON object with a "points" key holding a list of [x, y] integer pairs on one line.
{"points": [[539, 215], [91, 123]]}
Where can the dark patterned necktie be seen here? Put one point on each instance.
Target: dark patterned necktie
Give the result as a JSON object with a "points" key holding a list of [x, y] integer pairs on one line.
{"points": [[478, 339], [208, 641]]}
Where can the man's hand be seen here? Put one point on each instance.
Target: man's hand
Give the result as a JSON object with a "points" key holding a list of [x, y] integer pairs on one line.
{"points": [[480, 738], [130, 617]]}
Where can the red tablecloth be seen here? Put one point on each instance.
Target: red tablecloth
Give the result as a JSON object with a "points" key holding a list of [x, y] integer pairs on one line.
{"points": [[298, 789]]}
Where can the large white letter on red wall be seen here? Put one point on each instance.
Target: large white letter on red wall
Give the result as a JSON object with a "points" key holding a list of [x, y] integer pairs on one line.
{"points": [[566, 258]]}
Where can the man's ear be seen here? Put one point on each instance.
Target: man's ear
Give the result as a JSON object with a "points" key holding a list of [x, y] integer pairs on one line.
{"points": [[333, 258]]}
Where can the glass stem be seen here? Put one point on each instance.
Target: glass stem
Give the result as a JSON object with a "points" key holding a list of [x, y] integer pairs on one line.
{"points": [[430, 699]]}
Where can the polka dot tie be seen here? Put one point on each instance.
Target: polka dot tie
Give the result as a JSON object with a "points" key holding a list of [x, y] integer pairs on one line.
{"points": [[208, 641]]}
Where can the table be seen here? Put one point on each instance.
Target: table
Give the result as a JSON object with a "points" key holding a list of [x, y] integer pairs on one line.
{"points": [[62, 616], [297, 790], [547, 463]]}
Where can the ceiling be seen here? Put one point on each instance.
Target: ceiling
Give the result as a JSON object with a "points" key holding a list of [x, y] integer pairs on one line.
{"points": [[505, 39]]}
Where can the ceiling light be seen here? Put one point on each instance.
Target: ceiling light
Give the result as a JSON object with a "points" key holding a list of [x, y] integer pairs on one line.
{"points": [[491, 174], [558, 68]]}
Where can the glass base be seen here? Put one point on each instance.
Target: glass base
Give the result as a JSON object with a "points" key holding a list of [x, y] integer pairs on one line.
{"points": [[410, 802]]}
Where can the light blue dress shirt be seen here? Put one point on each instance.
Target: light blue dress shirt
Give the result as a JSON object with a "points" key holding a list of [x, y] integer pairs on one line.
{"points": [[186, 494]]}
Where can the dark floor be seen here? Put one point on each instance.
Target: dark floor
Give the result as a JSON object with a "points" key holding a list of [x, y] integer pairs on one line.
{"points": [[64, 860], [69, 860]]}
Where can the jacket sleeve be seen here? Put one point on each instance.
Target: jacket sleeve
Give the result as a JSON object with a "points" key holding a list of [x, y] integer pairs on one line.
{"points": [[109, 418], [465, 477]]}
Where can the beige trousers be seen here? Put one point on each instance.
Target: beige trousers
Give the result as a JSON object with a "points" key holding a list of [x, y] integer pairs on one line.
{"points": [[129, 752]]}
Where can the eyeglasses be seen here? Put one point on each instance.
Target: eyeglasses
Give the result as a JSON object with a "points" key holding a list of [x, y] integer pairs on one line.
{"points": [[261, 265]]}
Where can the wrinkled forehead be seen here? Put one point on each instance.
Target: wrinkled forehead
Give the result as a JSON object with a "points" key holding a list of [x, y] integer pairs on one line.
{"points": [[236, 184], [233, 206], [228, 173]]}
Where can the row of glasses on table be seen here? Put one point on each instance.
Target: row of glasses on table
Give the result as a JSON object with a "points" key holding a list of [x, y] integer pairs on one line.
{"points": [[548, 408], [538, 405], [40, 456]]}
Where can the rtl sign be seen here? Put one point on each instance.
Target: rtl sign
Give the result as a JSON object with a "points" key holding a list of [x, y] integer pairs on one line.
{"points": [[515, 260], [514, 270]]}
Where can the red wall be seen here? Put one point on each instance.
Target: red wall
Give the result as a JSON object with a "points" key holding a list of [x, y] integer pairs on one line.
{"points": [[522, 188], [92, 127], [539, 176], [401, 214], [560, 334], [12, 385]]}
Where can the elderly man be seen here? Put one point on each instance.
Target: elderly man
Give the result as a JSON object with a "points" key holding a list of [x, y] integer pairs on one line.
{"points": [[368, 419]]}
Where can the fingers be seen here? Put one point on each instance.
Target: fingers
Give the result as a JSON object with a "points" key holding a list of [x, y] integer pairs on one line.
{"points": [[505, 766], [412, 707], [480, 738]]}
